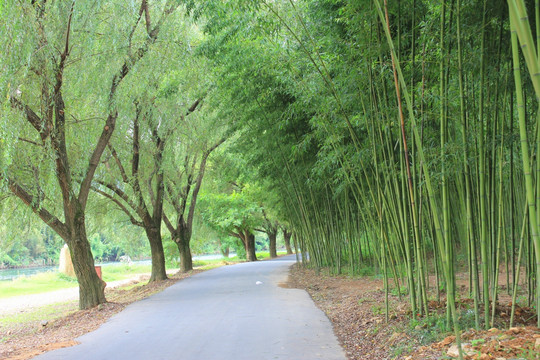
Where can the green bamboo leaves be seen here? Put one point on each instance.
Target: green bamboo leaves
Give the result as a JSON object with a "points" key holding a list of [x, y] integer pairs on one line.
{"points": [[397, 141], [521, 30]]}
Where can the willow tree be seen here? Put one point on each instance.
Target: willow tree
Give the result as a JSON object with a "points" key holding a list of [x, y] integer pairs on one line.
{"points": [[287, 234], [271, 209], [164, 105], [183, 190], [271, 228], [141, 190], [199, 131], [233, 214], [60, 116]]}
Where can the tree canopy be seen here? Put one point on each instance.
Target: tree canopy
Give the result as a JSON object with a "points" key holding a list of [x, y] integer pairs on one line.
{"points": [[401, 134]]}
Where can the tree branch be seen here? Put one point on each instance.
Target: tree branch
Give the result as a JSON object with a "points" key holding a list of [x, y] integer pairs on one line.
{"points": [[195, 193], [113, 112], [158, 159], [130, 37], [236, 235], [172, 196], [200, 176], [31, 117], [120, 205], [194, 106], [215, 146], [58, 138], [103, 140], [168, 223], [166, 12], [136, 181], [144, 6], [30, 142], [149, 186], [118, 163], [136, 155], [122, 195], [49, 219]]}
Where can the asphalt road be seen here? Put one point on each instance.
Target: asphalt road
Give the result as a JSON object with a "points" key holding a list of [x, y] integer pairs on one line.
{"points": [[230, 313]]}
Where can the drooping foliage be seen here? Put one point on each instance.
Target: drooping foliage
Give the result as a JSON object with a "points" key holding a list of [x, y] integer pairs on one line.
{"points": [[401, 134], [65, 64]]}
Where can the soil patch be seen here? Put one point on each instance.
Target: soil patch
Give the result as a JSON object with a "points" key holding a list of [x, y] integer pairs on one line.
{"points": [[356, 308]]}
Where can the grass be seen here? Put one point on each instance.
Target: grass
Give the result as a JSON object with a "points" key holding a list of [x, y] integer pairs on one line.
{"points": [[133, 286], [402, 348], [215, 262], [49, 312], [210, 264], [123, 271], [51, 281], [528, 354], [263, 255], [433, 328], [35, 284]]}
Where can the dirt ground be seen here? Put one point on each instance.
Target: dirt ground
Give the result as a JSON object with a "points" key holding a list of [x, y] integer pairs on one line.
{"points": [[29, 338], [356, 308]]}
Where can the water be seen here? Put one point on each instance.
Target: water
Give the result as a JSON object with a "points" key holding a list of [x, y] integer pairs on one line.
{"points": [[12, 274]]}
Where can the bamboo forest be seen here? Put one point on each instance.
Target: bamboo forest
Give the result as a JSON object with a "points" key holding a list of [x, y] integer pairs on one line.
{"points": [[395, 138]]}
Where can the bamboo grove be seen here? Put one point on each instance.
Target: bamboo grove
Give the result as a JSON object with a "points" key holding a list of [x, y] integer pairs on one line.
{"points": [[402, 135]]}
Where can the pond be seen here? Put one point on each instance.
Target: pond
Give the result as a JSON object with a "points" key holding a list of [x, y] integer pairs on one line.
{"points": [[10, 274]]}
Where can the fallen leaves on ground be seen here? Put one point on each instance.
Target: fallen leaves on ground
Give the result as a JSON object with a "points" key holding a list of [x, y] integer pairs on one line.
{"points": [[356, 308]]}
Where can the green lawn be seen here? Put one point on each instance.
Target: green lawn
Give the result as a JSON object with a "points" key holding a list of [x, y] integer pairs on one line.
{"points": [[123, 271], [52, 281], [39, 283], [33, 315], [263, 255]]}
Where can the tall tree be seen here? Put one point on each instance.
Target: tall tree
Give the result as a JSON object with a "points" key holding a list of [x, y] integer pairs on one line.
{"points": [[143, 204], [287, 234], [235, 215], [271, 228], [63, 36], [183, 191]]}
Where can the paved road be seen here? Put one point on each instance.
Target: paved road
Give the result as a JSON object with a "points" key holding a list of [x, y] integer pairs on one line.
{"points": [[221, 314]]}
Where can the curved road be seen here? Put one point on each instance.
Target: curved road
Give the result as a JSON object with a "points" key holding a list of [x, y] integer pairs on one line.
{"points": [[229, 313]]}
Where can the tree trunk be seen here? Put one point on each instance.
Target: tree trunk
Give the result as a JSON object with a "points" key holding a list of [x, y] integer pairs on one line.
{"points": [[287, 237], [186, 261], [158, 256], [224, 249], [250, 247], [273, 236], [91, 287]]}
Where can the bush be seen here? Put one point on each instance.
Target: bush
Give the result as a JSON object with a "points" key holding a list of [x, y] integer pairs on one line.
{"points": [[239, 249], [170, 249], [7, 261]]}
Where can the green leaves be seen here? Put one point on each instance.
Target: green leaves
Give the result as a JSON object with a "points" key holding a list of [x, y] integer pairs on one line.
{"points": [[230, 214]]}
